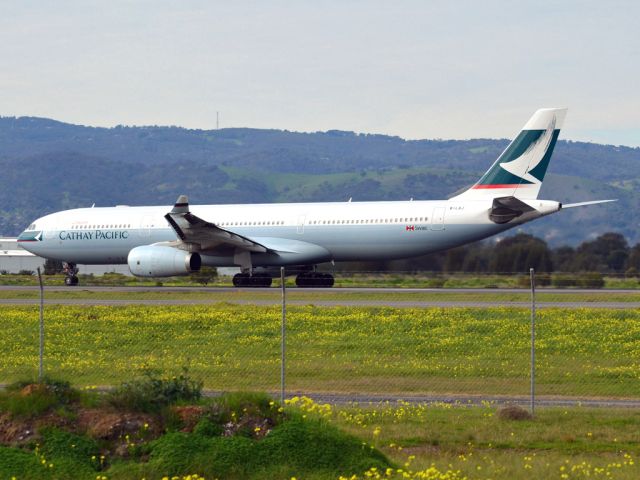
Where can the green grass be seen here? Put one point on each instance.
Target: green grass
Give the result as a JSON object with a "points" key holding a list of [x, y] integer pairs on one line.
{"points": [[291, 444], [477, 443], [383, 440], [581, 352], [343, 279]]}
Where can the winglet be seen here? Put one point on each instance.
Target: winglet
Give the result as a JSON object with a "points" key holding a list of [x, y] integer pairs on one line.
{"points": [[182, 205]]}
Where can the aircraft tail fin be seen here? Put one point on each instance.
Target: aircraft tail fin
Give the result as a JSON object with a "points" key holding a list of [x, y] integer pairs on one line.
{"points": [[521, 167]]}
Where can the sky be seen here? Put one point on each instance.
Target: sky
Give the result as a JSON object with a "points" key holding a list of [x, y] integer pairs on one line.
{"points": [[416, 69]]}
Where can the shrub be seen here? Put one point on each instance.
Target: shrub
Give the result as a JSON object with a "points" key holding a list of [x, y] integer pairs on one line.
{"points": [[296, 447], [591, 280], [28, 399], [58, 443], [514, 412], [208, 428], [563, 281], [205, 275], [435, 282], [151, 393]]}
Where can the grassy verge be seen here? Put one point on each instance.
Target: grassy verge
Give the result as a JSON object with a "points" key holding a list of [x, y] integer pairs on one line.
{"points": [[477, 444], [343, 279], [120, 435], [158, 427], [581, 352], [329, 295]]}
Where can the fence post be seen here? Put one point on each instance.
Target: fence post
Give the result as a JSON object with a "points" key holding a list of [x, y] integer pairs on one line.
{"points": [[283, 336], [41, 356], [533, 339]]}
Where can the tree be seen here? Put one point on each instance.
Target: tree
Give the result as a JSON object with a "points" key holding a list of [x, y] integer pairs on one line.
{"points": [[633, 260], [609, 251], [520, 253], [563, 258]]}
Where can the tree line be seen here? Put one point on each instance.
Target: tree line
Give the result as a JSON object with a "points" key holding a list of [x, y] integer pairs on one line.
{"points": [[609, 253]]}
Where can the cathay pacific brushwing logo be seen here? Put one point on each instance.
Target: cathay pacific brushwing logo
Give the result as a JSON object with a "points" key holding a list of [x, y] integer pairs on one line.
{"points": [[532, 156], [30, 237]]}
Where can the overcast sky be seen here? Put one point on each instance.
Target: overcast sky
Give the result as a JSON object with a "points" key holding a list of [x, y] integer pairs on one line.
{"points": [[423, 69]]}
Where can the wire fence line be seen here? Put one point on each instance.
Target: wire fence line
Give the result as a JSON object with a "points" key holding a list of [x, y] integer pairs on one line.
{"points": [[359, 351]]}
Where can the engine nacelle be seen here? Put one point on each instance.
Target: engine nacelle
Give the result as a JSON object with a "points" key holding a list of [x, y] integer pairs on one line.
{"points": [[159, 261]]}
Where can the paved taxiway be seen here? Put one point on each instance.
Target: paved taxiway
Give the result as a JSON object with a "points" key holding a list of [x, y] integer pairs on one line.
{"points": [[325, 290], [325, 297], [455, 400]]}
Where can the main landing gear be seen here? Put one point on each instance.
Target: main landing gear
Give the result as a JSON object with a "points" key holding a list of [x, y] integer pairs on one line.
{"points": [[305, 279], [315, 279], [255, 280], [71, 272]]}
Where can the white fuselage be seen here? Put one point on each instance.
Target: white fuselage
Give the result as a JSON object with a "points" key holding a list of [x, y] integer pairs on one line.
{"points": [[305, 233]]}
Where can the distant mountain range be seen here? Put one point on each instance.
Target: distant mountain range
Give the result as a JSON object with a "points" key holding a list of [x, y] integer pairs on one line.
{"points": [[48, 165]]}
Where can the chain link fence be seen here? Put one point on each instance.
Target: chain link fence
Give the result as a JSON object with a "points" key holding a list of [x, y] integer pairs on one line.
{"points": [[364, 345]]}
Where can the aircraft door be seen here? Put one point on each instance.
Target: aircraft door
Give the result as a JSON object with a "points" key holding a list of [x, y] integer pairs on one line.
{"points": [[300, 225], [437, 218], [145, 225]]}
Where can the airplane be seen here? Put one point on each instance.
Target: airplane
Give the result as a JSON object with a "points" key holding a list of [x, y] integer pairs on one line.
{"points": [[158, 241]]}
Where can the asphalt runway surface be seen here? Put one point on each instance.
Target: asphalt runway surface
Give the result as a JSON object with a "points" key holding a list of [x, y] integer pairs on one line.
{"points": [[62, 288], [218, 296], [458, 400]]}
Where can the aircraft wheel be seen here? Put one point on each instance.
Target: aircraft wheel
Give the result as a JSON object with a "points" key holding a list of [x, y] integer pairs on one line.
{"points": [[328, 281], [240, 280], [71, 281], [260, 280], [315, 279]]}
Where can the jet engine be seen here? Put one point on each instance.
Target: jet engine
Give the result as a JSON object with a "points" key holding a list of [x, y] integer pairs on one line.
{"points": [[159, 261]]}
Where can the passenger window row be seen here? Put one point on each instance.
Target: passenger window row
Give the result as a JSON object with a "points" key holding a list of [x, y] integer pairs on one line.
{"points": [[92, 227], [329, 222]]}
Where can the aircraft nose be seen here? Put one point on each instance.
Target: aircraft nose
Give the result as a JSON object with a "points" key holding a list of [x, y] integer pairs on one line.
{"points": [[30, 239]]}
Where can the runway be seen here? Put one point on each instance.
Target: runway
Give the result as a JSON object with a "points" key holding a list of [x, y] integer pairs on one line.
{"points": [[456, 400], [567, 291], [349, 297]]}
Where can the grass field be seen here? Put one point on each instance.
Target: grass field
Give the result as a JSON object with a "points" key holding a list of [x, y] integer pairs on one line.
{"points": [[476, 444], [581, 352]]}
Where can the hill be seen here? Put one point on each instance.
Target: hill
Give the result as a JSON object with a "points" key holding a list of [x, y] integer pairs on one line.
{"points": [[49, 165]]}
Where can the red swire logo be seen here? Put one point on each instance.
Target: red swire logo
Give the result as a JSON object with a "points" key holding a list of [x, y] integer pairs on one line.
{"points": [[410, 228]]}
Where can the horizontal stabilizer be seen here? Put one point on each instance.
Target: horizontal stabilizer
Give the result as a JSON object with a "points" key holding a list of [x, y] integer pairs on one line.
{"points": [[583, 204]]}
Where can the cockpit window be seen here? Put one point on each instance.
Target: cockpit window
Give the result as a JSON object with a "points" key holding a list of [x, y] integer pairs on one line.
{"points": [[32, 227]]}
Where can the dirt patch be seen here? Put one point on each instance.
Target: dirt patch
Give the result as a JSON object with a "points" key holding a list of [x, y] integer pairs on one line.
{"points": [[103, 424], [33, 388], [14, 432], [189, 416], [514, 412], [17, 431]]}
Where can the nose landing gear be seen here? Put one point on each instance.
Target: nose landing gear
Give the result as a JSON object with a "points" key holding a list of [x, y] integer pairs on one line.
{"points": [[71, 272]]}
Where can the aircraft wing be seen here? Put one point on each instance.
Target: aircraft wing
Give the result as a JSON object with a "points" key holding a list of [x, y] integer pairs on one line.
{"points": [[210, 238]]}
